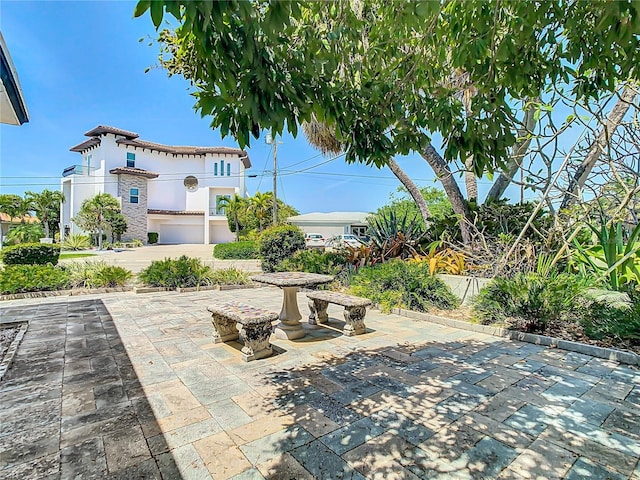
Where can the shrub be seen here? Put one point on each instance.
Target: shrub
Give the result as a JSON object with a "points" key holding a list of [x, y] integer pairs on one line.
{"points": [[152, 237], [278, 243], [182, 272], [229, 276], [607, 318], [237, 250], [403, 284], [531, 301], [25, 233], [32, 278], [31, 254], [314, 261], [96, 274], [75, 241]]}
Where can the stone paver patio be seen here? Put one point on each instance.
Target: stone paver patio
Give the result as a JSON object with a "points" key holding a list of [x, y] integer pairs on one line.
{"points": [[132, 386]]}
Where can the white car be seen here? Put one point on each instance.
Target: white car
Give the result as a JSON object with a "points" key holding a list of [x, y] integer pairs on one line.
{"points": [[341, 241], [314, 240]]}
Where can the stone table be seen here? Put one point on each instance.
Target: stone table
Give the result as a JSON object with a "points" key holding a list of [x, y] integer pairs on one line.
{"points": [[290, 327]]}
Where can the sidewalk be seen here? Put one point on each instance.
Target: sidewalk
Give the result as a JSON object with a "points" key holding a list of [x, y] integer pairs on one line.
{"points": [[131, 386], [135, 259]]}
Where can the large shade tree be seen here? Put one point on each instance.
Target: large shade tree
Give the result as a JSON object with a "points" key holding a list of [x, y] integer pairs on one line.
{"points": [[377, 73]]}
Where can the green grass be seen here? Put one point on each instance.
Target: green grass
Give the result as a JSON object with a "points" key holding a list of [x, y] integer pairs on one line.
{"points": [[76, 255]]}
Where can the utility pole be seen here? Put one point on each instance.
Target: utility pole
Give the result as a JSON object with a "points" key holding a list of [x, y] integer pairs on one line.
{"points": [[272, 141]]}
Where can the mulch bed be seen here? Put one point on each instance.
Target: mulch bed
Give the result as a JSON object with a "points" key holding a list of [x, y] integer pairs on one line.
{"points": [[6, 338]]}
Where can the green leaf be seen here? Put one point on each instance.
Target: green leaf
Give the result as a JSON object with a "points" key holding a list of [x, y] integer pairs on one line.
{"points": [[141, 7], [157, 12]]}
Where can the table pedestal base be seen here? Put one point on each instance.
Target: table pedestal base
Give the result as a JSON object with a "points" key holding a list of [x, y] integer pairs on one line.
{"points": [[290, 327]]}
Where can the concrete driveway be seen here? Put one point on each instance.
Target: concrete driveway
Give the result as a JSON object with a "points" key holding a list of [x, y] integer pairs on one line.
{"points": [[135, 259]]}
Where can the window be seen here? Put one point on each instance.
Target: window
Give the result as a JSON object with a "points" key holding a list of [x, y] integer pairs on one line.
{"points": [[228, 169], [131, 160], [215, 168], [220, 210], [222, 168], [133, 195]]}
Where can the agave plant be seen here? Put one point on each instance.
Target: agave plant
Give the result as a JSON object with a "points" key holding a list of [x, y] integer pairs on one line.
{"points": [[611, 258], [393, 236]]}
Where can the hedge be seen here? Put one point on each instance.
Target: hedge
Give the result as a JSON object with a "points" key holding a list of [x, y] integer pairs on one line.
{"points": [[31, 254], [237, 250]]}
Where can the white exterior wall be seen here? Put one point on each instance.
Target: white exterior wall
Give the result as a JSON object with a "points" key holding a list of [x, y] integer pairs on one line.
{"points": [[166, 192]]}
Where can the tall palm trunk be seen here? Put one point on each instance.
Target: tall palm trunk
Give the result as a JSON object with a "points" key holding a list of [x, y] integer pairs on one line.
{"points": [[413, 190], [460, 207], [599, 145]]}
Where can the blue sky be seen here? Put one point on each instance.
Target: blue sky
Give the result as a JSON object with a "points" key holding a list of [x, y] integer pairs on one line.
{"points": [[81, 64]]}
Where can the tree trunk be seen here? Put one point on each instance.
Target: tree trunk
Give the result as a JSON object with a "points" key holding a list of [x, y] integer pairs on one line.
{"points": [[600, 143], [470, 180], [45, 224], [413, 190], [460, 207], [515, 160], [235, 218]]}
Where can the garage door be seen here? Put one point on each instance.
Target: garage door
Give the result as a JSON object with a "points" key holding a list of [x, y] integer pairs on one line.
{"points": [[181, 234]]}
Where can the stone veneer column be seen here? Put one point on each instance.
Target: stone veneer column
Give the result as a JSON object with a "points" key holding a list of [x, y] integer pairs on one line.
{"points": [[135, 213]]}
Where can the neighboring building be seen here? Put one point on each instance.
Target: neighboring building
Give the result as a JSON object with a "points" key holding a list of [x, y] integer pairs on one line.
{"points": [[7, 223], [13, 109], [334, 223], [172, 190]]}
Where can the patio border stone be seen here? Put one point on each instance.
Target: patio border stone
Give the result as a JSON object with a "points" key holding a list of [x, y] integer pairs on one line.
{"points": [[620, 356]]}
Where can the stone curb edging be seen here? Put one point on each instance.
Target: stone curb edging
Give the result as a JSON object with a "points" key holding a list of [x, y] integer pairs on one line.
{"points": [[13, 348], [89, 291], [63, 293], [583, 348]]}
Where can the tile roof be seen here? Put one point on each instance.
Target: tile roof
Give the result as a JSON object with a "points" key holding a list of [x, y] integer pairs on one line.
{"points": [[138, 172], [27, 219], [186, 150], [153, 211], [86, 145], [104, 129]]}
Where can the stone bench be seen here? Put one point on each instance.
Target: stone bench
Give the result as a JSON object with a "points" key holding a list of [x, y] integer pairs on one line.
{"points": [[355, 308], [234, 319]]}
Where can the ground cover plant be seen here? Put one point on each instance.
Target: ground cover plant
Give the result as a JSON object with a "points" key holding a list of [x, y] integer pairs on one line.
{"points": [[32, 278], [398, 283], [96, 275], [186, 272], [244, 250]]}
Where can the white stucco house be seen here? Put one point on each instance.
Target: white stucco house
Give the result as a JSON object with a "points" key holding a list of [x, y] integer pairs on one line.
{"points": [[172, 190], [333, 223]]}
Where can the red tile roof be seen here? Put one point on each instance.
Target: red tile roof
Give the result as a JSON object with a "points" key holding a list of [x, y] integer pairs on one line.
{"points": [[86, 145], [27, 219], [138, 172], [104, 129], [186, 150]]}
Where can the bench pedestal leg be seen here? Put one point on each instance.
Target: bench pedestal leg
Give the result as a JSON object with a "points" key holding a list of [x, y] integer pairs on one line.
{"points": [[319, 315], [354, 317], [224, 330], [256, 341]]}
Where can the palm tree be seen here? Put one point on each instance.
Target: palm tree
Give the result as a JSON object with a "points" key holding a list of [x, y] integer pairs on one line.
{"points": [[93, 213], [260, 204], [43, 203], [233, 207]]}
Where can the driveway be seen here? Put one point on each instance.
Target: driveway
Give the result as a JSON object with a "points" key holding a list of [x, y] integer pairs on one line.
{"points": [[124, 386], [135, 259]]}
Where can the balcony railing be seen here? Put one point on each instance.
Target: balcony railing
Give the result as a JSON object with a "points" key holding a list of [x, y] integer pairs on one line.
{"points": [[78, 170]]}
